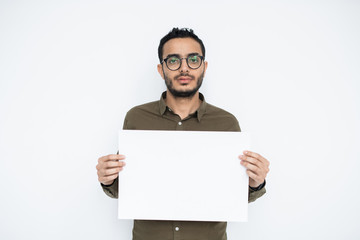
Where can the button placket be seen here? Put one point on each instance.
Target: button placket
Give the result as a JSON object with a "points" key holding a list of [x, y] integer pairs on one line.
{"points": [[177, 232], [179, 124]]}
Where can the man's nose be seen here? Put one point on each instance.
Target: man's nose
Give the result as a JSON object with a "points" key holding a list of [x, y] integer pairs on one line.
{"points": [[184, 67]]}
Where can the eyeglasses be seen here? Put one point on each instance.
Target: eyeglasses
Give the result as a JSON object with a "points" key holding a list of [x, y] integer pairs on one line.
{"points": [[173, 63]]}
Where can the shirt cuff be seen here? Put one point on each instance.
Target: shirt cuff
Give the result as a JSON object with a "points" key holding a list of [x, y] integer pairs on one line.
{"points": [[258, 188], [103, 185]]}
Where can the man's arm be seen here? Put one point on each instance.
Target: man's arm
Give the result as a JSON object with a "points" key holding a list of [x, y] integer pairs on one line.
{"points": [[108, 169], [112, 189], [255, 193], [257, 168]]}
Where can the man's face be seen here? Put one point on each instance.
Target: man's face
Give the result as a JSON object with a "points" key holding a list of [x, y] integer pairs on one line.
{"points": [[183, 82]]}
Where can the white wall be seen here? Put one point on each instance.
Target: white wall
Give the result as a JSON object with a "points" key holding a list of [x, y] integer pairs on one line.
{"points": [[69, 71]]}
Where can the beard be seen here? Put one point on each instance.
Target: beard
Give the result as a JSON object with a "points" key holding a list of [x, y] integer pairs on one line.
{"points": [[185, 93]]}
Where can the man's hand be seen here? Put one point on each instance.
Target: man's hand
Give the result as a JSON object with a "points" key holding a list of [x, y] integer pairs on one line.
{"points": [[257, 167], [108, 168]]}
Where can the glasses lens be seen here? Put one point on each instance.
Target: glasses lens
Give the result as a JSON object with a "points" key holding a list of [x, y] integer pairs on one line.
{"points": [[194, 61], [173, 63]]}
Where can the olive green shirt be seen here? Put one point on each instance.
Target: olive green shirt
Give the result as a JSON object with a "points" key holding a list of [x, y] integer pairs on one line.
{"points": [[157, 116]]}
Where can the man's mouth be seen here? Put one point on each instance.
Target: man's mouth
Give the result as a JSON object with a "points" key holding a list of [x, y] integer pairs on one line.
{"points": [[184, 79]]}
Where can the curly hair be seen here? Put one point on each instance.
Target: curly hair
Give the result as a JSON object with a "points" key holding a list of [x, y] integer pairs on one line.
{"points": [[179, 33]]}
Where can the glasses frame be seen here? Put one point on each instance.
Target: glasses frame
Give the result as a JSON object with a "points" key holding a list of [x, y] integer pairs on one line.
{"points": [[187, 61]]}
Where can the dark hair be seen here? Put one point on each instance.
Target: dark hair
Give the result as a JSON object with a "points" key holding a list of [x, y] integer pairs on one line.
{"points": [[179, 33]]}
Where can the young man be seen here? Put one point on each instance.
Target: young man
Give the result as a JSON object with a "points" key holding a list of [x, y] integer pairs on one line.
{"points": [[181, 107]]}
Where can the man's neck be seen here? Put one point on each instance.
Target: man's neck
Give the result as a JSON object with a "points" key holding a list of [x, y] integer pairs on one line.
{"points": [[183, 106]]}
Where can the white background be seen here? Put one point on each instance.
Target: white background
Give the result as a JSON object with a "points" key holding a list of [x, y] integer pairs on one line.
{"points": [[69, 71]]}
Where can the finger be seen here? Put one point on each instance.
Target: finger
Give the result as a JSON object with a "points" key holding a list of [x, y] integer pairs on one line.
{"points": [[251, 160], [254, 176], [250, 166], [106, 179], [103, 167], [111, 157], [257, 156], [112, 164], [110, 171], [259, 171], [252, 154]]}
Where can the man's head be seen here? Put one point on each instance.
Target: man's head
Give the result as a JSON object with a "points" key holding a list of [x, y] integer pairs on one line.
{"points": [[182, 63]]}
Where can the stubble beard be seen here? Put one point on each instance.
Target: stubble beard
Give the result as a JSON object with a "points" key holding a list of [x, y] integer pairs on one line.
{"points": [[186, 93]]}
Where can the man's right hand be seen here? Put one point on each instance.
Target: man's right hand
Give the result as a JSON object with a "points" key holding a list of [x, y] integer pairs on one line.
{"points": [[108, 168]]}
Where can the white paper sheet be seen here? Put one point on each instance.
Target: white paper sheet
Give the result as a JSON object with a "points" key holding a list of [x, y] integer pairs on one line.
{"points": [[183, 175]]}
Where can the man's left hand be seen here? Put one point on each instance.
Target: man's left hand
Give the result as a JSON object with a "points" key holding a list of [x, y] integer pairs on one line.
{"points": [[257, 167]]}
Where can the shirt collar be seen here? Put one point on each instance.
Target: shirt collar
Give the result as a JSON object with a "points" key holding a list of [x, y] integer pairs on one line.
{"points": [[199, 112]]}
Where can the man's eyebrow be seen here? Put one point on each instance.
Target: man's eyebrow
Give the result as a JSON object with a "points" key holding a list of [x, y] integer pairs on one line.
{"points": [[173, 55], [178, 55], [194, 53]]}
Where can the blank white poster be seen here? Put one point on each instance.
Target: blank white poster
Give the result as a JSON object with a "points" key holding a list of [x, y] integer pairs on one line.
{"points": [[183, 175]]}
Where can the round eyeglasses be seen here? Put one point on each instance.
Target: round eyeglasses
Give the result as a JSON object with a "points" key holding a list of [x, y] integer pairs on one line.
{"points": [[173, 63]]}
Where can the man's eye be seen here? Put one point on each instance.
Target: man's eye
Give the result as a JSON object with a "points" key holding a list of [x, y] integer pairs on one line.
{"points": [[194, 59], [173, 60]]}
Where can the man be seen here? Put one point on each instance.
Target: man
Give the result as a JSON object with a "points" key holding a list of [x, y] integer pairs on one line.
{"points": [[181, 107]]}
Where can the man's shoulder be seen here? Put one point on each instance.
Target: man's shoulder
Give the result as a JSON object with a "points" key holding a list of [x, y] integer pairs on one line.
{"points": [[150, 107], [142, 116], [215, 111], [219, 119]]}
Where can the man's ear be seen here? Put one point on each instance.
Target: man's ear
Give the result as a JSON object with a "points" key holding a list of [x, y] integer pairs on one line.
{"points": [[205, 64], [160, 70]]}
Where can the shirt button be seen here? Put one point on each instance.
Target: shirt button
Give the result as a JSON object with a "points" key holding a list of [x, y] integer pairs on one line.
{"points": [[180, 123], [177, 228]]}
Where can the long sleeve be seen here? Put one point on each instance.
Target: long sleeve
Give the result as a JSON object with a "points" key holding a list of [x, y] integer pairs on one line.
{"points": [[253, 195], [111, 190]]}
